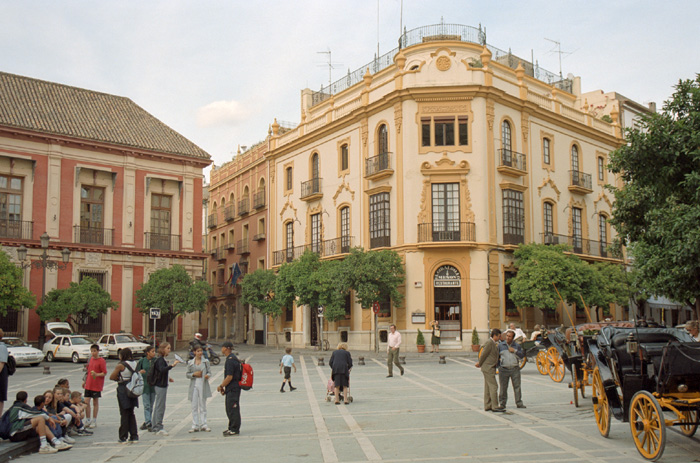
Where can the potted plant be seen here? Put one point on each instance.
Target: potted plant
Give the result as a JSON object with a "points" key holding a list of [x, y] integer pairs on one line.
{"points": [[475, 341], [420, 342]]}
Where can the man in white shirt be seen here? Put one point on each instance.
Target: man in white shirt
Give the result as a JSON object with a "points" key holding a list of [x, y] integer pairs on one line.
{"points": [[519, 334], [393, 346]]}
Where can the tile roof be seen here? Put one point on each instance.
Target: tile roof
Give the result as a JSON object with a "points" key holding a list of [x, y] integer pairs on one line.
{"points": [[59, 109]]}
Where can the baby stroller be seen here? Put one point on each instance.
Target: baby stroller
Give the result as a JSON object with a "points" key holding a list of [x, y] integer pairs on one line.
{"points": [[330, 392]]}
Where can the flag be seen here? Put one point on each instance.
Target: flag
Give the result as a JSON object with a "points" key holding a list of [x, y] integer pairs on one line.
{"points": [[235, 274]]}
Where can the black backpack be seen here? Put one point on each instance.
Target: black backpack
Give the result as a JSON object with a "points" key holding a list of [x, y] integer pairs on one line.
{"points": [[11, 365]]}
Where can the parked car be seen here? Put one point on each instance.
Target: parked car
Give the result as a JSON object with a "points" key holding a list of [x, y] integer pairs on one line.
{"points": [[72, 347], [23, 353], [115, 342]]}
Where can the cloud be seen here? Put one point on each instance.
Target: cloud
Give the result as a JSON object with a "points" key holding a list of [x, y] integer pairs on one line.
{"points": [[221, 113]]}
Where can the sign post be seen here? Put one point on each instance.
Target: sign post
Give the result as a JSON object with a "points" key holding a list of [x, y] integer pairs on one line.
{"points": [[375, 309], [320, 327], [154, 313]]}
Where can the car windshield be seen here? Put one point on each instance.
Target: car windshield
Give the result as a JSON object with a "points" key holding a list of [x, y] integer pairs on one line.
{"points": [[125, 338], [16, 342], [81, 341]]}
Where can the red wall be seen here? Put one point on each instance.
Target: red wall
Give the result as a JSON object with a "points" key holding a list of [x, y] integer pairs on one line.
{"points": [[136, 316], [116, 320]]}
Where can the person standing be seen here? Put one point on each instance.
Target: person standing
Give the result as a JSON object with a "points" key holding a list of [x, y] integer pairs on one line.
{"points": [[199, 372], [94, 384], [488, 361], [341, 364], [287, 363], [510, 354], [161, 388], [435, 337], [393, 347], [231, 388], [128, 432], [149, 394], [4, 375]]}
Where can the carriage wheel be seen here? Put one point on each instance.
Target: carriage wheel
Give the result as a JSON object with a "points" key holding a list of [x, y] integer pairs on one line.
{"points": [[648, 425], [557, 370], [689, 416], [601, 408], [541, 362], [523, 362], [575, 385]]}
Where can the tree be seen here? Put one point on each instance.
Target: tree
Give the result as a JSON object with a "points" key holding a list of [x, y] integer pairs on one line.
{"points": [[606, 283], [258, 290], [375, 276], [334, 278], [174, 292], [657, 209], [87, 297], [13, 295]]}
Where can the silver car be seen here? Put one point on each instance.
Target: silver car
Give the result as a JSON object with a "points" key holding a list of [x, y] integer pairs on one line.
{"points": [[23, 353]]}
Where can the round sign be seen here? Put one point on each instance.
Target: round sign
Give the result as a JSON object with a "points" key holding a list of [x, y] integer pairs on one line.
{"points": [[375, 307]]}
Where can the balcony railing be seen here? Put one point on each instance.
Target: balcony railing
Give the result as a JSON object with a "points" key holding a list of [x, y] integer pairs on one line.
{"points": [[579, 179], [229, 212], [446, 231], [379, 242], [324, 248], [217, 254], [259, 199], [310, 187], [243, 206], [213, 220], [513, 238], [377, 164], [243, 247], [221, 255], [510, 158], [259, 237], [229, 246], [580, 245], [90, 235], [16, 229], [163, 242]]}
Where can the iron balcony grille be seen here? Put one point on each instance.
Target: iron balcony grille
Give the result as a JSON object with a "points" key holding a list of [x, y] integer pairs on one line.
{"points": [[581, 180], [446, 231], [89, 235], [221, 255], [229, 246], [513, 238], [324, 248], [510, 158], [580, 245], [310, 187], [229, 213], [259, 199], [376, 164], [16, 229], [243, 206], [163, 242], [380, 242], [212, 220], [217, 254], [242, 247]]}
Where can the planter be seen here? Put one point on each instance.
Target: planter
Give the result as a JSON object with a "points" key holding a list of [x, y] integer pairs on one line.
{"points": [[421, 348], [475, 347]]}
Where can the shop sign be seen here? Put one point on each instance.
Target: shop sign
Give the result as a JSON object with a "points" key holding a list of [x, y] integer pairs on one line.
{"points": [[447, 276]]}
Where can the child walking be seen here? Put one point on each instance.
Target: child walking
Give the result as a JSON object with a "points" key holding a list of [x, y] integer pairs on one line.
{"points": [[198, 372], [94, 383], [287, 363]]}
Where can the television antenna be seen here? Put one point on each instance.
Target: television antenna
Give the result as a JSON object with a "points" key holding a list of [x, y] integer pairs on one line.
{"points": [[557, 50], [331, 65]]}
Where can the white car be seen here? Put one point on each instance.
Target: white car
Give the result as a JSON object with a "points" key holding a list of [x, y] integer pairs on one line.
{"points": [[23, 353], [75, 348], [115, 342]]}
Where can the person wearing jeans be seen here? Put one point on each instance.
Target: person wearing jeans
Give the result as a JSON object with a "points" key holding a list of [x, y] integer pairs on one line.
{"points": [[149, 393], [393, 347], [161, 388]]}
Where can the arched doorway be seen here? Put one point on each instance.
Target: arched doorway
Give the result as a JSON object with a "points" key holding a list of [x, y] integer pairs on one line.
{"points": [[447, 287]]}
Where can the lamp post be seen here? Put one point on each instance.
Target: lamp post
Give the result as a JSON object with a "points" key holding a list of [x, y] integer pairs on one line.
{"points": [[43, 264]]}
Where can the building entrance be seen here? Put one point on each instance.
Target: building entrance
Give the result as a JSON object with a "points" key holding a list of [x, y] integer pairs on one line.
{"points": [[447, 287]]}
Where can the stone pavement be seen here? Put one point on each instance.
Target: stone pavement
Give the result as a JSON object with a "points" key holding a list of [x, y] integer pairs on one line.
{"points": [[432, 413]]}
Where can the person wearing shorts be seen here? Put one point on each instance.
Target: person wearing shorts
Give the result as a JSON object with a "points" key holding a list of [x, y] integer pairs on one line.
{"points": [[94, 383], [287, 363]]}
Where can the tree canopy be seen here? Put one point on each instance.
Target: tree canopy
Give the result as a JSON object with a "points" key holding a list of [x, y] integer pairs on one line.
{"points": [[258, 290], [174, 292], [87, 297], [13, 295], [376, 276], [657, 209]]}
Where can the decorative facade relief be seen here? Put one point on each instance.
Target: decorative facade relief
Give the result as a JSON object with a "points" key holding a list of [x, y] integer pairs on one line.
{"points": [[398, 116], [445, 168], [341, 187], [162, 262], [550, 182], [490, 113], [93, 259]]}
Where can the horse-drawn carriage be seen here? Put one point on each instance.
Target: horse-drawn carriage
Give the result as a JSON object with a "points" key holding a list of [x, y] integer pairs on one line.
{"points": [[649, 377]]}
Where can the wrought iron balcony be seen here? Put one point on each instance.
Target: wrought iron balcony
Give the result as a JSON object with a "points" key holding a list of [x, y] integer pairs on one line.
{"points": [[16, 229], [243, 206], [379, 242], [242, 247], [512, 163], [580, 245], [446, 231], [324, 248], [90, 235], [311, 189], [259, 199], [378, 166], [213, 220], [163, 242], [580, 182], [229, 246], [513, 238], [229, 213], [217, 254]]}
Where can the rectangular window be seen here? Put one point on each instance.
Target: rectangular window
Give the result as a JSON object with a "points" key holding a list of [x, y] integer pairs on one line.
{"points": [[513, 217], [577, 238], [379, 221], [545, 150], [603, 232], [463, 128], [384, 309], [316, 233], [345, 230], [11, 207], [92, 200], [289, 178], [511, 309], [601, 169], [348, 307], [288, 315], [425, 131], [444, 131], [344, 157], [160, 214], [446, 220], [289, 238], [548, 220]]}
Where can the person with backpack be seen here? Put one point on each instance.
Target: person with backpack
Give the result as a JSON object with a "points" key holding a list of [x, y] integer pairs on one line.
{"points": [[231, 388], [4, 372], [128, 432], [199, 372], [148, 397], [20, 423], [159, 378], [93, 384]]}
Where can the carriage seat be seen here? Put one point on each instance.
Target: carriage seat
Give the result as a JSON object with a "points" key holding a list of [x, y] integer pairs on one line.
{"points": [[652, 342]]}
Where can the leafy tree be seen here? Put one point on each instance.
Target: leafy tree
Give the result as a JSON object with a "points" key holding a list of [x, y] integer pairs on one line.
{"points": [[334, 278], [13, 295], [657, 209], [376, 276], [258, 290], [86, 297], [174, 292], [606, 283]]}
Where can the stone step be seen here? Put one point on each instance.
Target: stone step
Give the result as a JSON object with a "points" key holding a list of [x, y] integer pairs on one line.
{"points": [[451, 345]]}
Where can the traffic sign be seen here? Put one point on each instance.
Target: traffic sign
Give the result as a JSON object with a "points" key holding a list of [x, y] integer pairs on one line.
{"points": [[320, 310], [375, 307], [154, 313]]}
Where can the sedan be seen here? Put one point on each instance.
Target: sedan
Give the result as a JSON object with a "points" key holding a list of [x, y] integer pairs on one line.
{"points": [[73, 347], [23, 353], [114, 343]]}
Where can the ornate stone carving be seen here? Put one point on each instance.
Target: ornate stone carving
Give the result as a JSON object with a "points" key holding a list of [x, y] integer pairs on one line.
{"points": [[398, 116], [525, 122], [341, 187], [365, 132], [288, 204], [602, 197], [443, 63], [162, 262], [490, 113], [460, 108], [93, 259], [550, 182]]}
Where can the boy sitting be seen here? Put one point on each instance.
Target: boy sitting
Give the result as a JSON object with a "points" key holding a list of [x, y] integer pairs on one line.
{"points": [[66, 406], [54, 423], [26, 423]]}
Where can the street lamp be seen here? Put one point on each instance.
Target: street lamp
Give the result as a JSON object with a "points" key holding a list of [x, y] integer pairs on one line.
{"points": [[43, 264]]}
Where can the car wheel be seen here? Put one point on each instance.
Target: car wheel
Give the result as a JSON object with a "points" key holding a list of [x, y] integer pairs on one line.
{"points": [[75, 357], [49, 356]]}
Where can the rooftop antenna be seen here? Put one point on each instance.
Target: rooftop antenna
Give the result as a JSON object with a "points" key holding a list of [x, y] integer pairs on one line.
{"points": [[330, 65], [557, 50]]}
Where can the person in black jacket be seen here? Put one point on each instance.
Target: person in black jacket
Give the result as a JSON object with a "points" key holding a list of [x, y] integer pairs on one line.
{"points": [[231, 388], [161, 388], [341, 364]]}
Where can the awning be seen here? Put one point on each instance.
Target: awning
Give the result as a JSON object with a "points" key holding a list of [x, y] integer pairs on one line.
{"points": [[658, 302]]}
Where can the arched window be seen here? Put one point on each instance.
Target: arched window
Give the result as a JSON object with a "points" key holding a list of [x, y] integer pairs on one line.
{"points": [[574, 158], [382, 139], [506, 143], [314, 166]]}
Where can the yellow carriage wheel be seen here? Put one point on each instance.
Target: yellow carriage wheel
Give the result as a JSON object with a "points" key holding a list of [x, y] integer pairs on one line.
{"points": [[689, 416], [542, 362], [575, 385], [601, 407], [556, 369], [648, 425], [523, 362]]}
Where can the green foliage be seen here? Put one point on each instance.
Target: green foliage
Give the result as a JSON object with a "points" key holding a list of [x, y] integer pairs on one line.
{"points": [[475, 337], [173, 291], [657, 210], [258, 290], [13, 295], [84, 297], [606, 118], [376, 276], [420, 339], [334, 279]]}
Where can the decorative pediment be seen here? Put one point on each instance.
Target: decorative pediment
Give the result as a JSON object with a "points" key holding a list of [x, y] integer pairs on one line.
{"points": [[445, 165], [602, 198], [341, 187], [552, 185], [288, 205]]}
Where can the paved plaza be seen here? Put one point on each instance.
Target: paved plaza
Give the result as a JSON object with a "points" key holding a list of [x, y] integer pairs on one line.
{"points": [[432, 413]]}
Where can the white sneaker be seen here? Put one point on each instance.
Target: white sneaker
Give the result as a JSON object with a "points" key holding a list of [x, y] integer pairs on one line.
{"points": [[62, 446], [193, 429], [205, 428], [47, 449], [68, 440], [162, 432], [91, 424]]}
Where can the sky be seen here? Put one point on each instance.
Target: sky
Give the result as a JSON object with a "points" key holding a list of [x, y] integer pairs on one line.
{"points": [[219, 72]]}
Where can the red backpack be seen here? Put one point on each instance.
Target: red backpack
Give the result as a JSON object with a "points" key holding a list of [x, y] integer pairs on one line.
{"points": [[246, 381]]}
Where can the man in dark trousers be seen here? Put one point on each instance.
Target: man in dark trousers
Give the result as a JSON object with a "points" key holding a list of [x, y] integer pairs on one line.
{"points": [[488, 361], [231, 388]]}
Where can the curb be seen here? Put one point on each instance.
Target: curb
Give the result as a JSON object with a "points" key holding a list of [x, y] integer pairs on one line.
{"points": [[10, 450]]}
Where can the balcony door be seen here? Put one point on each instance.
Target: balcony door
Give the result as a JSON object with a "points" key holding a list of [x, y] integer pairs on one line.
{"points": [[446, 220], [160, 222], [92, 204], [10, 207]]}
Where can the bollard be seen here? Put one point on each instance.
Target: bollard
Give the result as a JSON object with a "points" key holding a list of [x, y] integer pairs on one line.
{"points": [[442, 360], [402, 360], [320, 362], [47, 370], [361, 361]]}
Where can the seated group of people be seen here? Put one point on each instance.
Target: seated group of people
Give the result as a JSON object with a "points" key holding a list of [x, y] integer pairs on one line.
{"points": [[56, 416]]}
